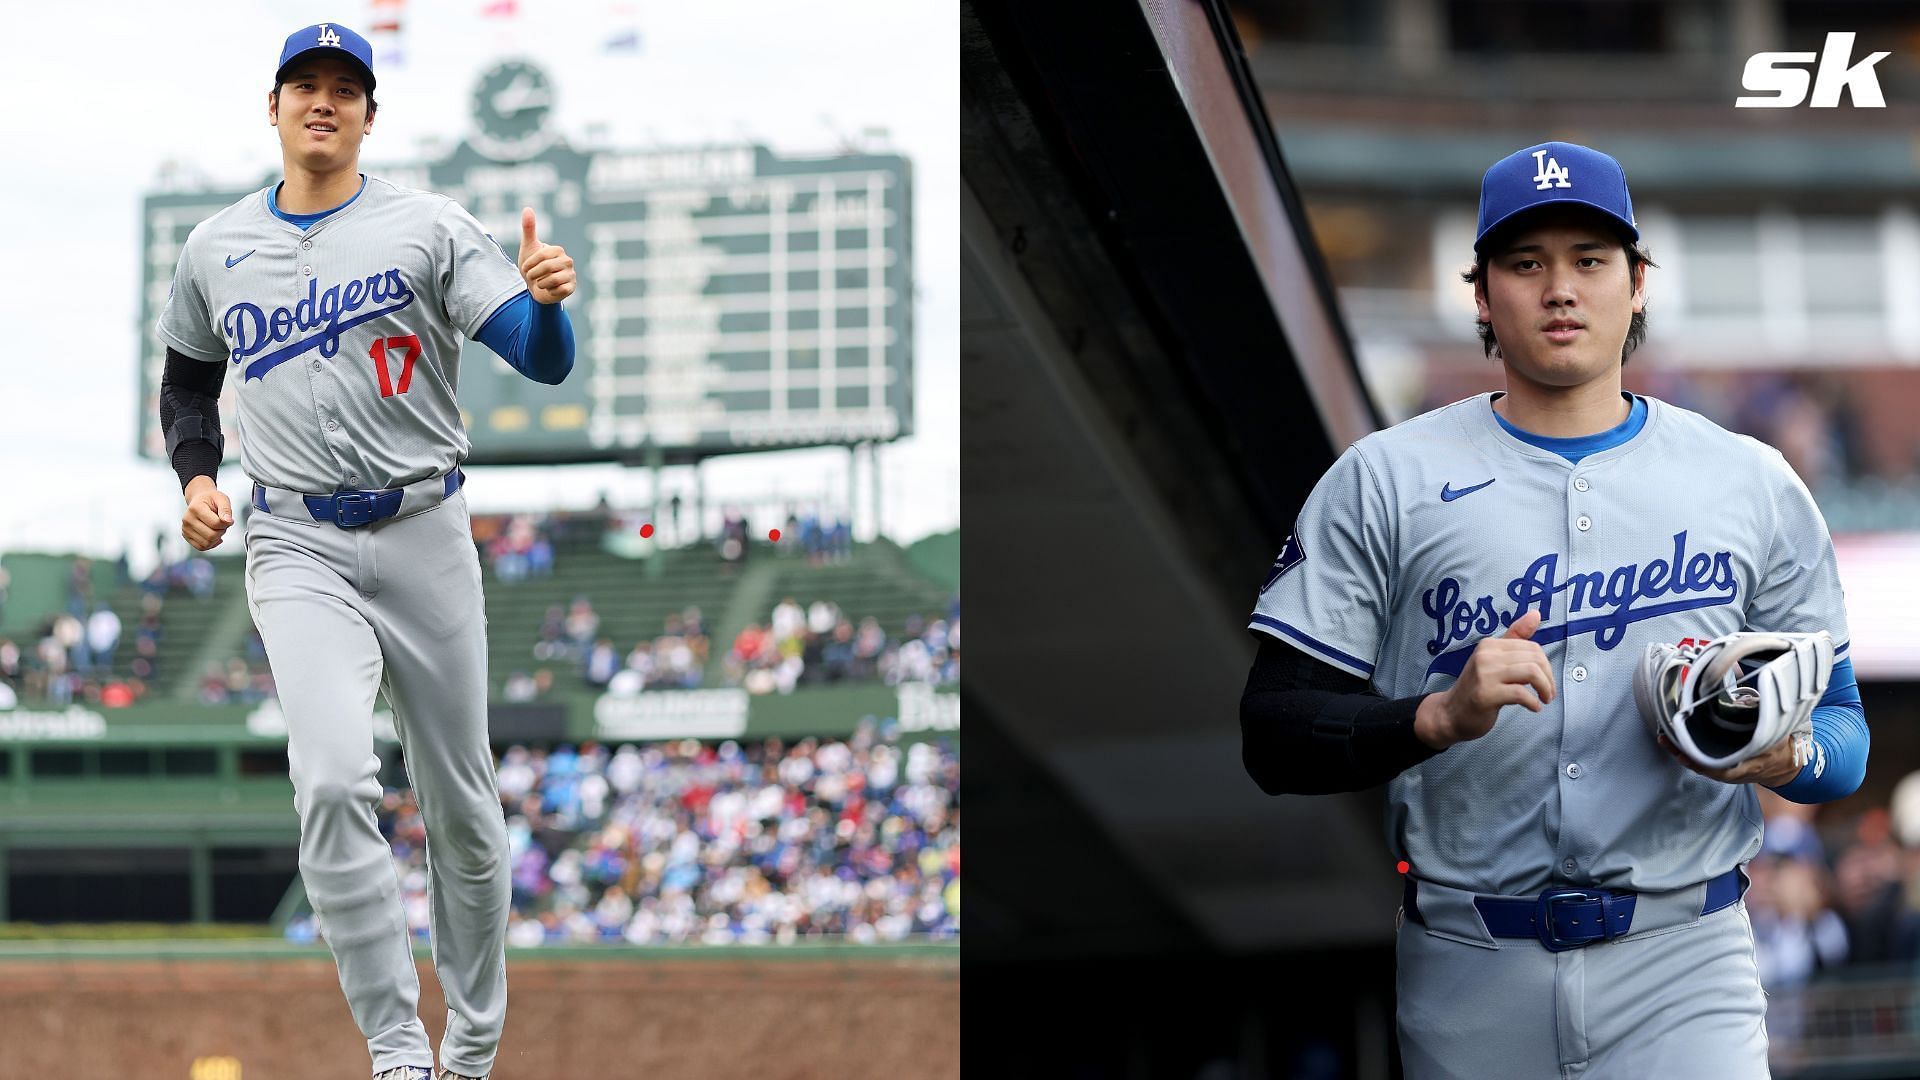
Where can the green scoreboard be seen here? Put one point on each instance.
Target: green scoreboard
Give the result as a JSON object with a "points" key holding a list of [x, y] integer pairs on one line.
{"points": [[729, 299]]}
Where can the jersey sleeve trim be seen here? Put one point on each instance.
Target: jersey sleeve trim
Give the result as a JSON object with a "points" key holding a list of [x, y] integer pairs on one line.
{"points": [[1842, 687], [184, 349], [494, 306], [1345, 661]]}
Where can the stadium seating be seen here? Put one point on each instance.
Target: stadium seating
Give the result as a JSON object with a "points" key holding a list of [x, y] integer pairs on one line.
{"points": [[879, 580], [632, 606]]}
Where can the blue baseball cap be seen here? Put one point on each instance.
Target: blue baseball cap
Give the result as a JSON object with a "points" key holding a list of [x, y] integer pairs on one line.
{"points": [[1554, 172], [329, 38]]}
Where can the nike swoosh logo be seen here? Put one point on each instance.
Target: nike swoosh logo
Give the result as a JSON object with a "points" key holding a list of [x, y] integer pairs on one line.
{"points": [[233, 262], [1447, 494]]}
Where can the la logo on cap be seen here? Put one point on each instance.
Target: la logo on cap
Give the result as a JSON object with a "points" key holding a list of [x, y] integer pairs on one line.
{"points": [[1551, 174], [328, 37]]}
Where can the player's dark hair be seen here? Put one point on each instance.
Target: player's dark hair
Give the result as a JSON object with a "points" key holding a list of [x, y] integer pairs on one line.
{"points": [[372, 105], [1637, 258]]}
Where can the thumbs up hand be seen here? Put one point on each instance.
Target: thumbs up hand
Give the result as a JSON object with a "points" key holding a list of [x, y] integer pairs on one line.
{"points": [[547, 268]]}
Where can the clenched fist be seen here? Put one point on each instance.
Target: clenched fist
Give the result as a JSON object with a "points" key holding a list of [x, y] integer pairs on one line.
{"points": [[209, 515], [1502, 671], [547, 268]]}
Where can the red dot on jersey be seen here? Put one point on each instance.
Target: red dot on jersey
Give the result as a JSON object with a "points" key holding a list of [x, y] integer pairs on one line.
{"points": [[1402, 867], [646, 531], [773, 534]]}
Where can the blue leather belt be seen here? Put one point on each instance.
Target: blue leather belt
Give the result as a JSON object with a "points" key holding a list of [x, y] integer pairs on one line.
{"points": [[352, 509], [1563, 919]]}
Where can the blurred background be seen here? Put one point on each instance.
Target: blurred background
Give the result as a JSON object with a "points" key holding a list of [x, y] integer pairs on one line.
{"points": [[1232, 233], [1786, 305], [721, 561], [1788, 240]]}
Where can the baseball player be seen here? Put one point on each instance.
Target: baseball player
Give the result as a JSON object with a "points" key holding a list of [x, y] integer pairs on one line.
{"points": [[340, 301], [1459, 614]]}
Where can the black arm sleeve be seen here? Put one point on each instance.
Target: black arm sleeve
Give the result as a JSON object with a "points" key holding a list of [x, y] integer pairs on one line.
{"points": [[190, 415], [1308, 728]]}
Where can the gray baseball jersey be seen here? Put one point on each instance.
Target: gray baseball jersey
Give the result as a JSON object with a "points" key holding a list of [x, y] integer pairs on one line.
{"points": [[346, 336], [1427, 537]]}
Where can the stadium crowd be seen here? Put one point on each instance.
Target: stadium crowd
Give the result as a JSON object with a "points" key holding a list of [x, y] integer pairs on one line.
{"points": [[80, 654], [519, 547], [819, 644], [716, 843], [72, 658], [516, 546], [1828, 894], [795, 646], [570, 637], [242, 680], [823, 543], [85, 653]]}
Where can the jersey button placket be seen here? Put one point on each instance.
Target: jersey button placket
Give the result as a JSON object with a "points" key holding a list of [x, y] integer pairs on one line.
{"points": [[324, 395], [1576, 721]]}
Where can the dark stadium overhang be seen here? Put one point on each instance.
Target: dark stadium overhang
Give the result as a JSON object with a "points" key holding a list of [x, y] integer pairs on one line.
{"points": [[1155, 373]]}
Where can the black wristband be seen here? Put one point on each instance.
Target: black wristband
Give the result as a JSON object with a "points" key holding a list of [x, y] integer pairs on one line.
{"points": [[190, 416], [1309, 728], [1383, 735], [195, 457]]}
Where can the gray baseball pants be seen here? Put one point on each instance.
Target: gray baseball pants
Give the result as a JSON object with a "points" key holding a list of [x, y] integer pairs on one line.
{"points": [[392, 606], [1679, 1003]]}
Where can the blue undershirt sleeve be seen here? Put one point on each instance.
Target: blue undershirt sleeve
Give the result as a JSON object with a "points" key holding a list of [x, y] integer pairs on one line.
{"points": [[535, 338], [1841, 742]]}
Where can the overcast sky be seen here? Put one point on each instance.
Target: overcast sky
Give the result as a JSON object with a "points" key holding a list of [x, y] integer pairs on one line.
{"points": [[116, 88]]}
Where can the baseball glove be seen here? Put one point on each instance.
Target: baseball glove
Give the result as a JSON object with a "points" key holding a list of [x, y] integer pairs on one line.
{"points": [[1730, 699]]}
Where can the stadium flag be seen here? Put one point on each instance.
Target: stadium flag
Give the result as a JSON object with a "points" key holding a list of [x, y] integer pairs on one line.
{"points": [[386, 20]]}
